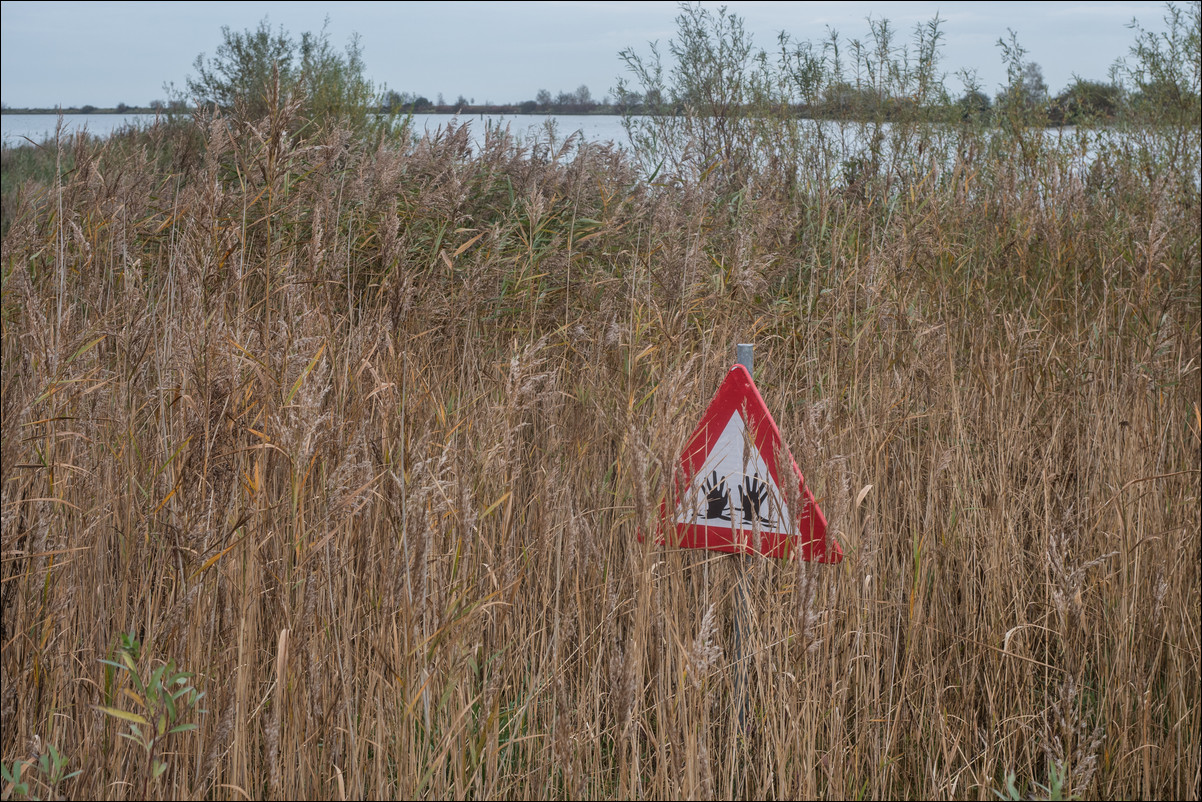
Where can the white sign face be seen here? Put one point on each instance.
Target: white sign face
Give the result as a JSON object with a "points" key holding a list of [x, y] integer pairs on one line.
{"points": [[727, 492]]}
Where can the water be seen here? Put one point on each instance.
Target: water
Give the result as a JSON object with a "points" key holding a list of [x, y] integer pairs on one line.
{"points": [[590, 127], [845, 139], [16, 128]]}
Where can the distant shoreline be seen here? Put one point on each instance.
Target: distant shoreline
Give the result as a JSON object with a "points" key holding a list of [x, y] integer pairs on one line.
{"points": [[601, 111], [56, 112]]}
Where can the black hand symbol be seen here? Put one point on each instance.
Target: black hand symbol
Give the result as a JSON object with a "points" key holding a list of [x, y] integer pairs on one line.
{"points": [[754, 493], [717, 497]]}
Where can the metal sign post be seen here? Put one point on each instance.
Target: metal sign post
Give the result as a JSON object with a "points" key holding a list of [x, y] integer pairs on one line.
{"points": [[734, 493], [745, 358]]}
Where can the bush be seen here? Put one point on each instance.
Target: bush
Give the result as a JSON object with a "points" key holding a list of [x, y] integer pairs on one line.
{"points": [[252, 71], [1086, 102], [729, 110], [1165, 69]]}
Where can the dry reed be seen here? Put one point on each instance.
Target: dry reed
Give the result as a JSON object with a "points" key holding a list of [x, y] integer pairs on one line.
{"points": [[363, 436]]}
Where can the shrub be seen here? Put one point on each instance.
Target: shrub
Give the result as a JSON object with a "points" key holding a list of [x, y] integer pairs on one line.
{"points": [[253, 71]]}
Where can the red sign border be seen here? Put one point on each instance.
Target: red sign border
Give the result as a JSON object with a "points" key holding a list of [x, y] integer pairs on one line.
{"points": [[738, 395]]}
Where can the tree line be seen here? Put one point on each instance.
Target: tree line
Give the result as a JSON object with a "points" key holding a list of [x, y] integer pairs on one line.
{"points": [[1083, 101], [833, 79]]}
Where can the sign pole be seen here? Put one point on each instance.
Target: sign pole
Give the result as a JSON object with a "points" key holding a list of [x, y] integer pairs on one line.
{"points": [[745, 357], [737, 483]]}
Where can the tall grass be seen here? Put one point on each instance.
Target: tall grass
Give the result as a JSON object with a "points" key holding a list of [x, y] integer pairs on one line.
{"points": [[361, 435]]}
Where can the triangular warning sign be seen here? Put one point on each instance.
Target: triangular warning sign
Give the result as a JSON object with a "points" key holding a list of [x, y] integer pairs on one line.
{"points": [[729, 487]]}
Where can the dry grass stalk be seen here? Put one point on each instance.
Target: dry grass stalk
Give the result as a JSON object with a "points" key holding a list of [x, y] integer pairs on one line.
{"points": [[364, 435]]}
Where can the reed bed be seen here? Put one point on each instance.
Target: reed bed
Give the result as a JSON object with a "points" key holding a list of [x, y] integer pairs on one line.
{"points": [[360, 434]]}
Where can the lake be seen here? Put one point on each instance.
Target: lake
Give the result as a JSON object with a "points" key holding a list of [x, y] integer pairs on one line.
{"points": [[16, 128], [845, 138]]}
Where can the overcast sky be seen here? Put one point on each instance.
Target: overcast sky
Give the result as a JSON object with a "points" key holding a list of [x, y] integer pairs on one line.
{"points": [[104, 53]]}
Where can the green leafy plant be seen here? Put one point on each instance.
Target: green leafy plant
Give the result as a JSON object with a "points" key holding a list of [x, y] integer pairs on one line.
{"points": [[49, 775], [251, 67], [165, 699], [1054, 790]]}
